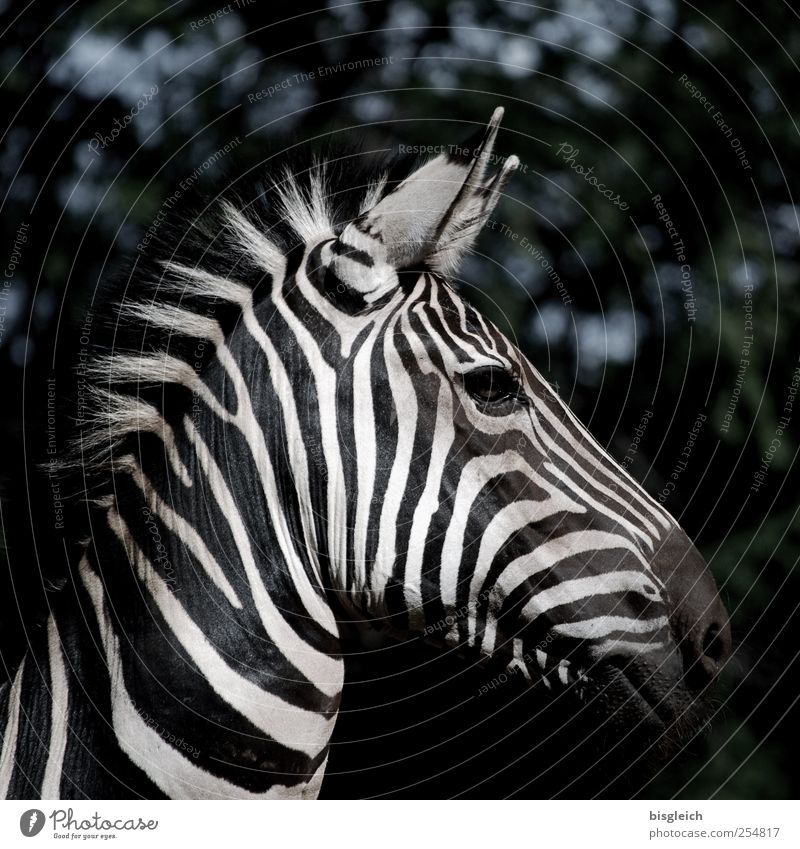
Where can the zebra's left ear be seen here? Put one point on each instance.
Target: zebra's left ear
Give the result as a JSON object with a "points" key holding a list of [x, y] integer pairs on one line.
{"points": [[433, 216]]}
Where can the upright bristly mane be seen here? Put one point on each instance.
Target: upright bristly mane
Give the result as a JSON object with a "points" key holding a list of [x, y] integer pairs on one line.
{"points": [[212, 252]]}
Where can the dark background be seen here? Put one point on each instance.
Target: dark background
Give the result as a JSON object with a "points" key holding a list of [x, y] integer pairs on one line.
{"points": [[609, 79]]}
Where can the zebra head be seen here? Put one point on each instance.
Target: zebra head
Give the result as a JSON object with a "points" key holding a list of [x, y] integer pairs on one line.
{"points": [[461, 498]]}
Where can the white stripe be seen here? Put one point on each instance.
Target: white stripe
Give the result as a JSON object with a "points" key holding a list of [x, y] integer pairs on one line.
{"points": [[602, 626], [567, 592], [172, 772], [628, 648], [462, 314], [519, 661], [7, 756], [116, 415], [428, 504], [477, 472], [487, 338], [59, 699], [404, 399], [254, 434]]}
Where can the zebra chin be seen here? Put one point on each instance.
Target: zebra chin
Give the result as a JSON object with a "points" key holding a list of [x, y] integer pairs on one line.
{"points": [[647, 697], [626, 697]]}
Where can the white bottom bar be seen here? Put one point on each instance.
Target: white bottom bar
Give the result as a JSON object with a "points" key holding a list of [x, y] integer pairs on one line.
{"points": [[404, 824]]}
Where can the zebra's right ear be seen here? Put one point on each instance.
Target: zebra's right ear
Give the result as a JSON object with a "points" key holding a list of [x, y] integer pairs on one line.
{"points": [[432, 217]]}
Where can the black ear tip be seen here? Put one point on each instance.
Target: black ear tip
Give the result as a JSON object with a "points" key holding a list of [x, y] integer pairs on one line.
{"points": [[497, 117], [482, 137]]}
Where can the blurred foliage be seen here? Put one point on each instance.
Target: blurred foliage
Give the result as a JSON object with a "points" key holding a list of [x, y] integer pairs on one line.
{"points": [[604, 77]]}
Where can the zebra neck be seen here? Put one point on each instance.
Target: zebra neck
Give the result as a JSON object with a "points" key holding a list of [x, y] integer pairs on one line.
{"points": [[222, 654]]}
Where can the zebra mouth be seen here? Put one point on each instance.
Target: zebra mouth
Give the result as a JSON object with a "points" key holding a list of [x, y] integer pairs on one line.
{"points": [[637, 699], [647, 702], [625, 690]]}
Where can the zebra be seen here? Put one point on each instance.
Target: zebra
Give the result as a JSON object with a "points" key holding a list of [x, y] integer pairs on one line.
{"points": [[296, 421]]}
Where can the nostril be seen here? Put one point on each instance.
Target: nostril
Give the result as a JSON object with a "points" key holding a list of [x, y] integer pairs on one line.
{"points": [[713, 645], [717, 640], [704, 652]]}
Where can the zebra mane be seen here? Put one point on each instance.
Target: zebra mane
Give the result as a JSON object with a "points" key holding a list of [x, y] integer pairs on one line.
{"points": [[212, 253]]}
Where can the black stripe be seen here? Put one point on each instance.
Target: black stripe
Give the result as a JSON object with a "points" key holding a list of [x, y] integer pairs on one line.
{"points": [[339, 248], [33, 735]]}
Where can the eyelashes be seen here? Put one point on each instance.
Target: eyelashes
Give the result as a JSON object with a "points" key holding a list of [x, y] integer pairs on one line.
{"points": [[494, 389]]}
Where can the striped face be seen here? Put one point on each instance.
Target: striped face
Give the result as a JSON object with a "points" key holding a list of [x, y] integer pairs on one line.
{"points": [[496, 512], [479, 511]]}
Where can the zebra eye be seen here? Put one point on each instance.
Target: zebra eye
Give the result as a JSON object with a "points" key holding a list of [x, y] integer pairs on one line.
{"points": [[491, 386]]}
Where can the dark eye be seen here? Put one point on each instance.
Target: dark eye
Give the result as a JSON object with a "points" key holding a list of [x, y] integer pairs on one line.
{"points": [[491, 385]]}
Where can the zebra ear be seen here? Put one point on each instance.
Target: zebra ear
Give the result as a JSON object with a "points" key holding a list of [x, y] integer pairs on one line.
{"points": [[433, 216]]}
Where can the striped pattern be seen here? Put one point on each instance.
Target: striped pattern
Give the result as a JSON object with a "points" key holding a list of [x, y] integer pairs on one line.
{"points": [[321, 457]]}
